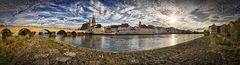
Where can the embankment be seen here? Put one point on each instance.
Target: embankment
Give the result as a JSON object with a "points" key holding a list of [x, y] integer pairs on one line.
{"points": [[43, 51]]}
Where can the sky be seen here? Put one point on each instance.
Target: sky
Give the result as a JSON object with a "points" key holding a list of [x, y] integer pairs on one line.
{"points": [[182, 14]]}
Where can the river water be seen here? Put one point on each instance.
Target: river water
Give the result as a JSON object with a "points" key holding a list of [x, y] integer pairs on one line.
{"points": [[116, 43]]}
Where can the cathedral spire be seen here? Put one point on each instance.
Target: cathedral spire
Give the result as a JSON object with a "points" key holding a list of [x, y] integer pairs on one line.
{"points": [[90, 23], [93, 20], [139, 24]]}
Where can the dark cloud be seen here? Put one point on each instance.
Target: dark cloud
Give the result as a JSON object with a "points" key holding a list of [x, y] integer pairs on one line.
{"points": [[200, 15]]}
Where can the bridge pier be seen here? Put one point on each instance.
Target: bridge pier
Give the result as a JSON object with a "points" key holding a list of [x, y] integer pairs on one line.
{"points": [[33, 33], [53, 34], [69, 34], [40, 33], [80, 33]]}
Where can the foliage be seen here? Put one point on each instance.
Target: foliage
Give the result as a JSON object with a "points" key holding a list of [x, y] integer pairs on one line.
{"points": [[224, 48], [6, 33], [24, 32], [231, 50], [98, 26], [9, 51], [206, 33], [235, 30]]}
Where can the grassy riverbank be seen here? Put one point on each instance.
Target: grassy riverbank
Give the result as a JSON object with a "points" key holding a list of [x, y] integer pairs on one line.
{"points": [[43, 51]]}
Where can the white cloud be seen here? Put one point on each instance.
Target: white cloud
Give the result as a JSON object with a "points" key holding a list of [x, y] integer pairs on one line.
{"points": [[146, 11], [126, 9], [116, 16]]}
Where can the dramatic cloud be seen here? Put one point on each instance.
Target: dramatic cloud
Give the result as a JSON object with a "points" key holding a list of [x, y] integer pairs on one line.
{"points": [[184, 14]]}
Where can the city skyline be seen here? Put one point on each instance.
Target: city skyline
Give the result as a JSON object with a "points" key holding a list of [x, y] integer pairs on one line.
{"points": [[191, 14]]}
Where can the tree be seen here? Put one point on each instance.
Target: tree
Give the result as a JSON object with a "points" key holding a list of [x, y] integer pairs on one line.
{"points": [[206, 32], [24, 32], [237, 27], [235, 30], [98, 26], [6, 33], [84, 26]]}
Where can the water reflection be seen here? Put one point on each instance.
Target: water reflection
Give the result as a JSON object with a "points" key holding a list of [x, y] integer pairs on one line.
{"points": [[60, 37], [173, 39], [127, 42], [46, 35]]}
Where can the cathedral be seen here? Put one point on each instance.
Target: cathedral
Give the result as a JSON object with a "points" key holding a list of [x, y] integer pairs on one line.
{"points": [[89, 25]]}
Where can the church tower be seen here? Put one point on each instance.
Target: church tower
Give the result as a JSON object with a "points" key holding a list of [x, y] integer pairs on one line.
{"points": [[90, 23], [139, 24], [93, 21]]}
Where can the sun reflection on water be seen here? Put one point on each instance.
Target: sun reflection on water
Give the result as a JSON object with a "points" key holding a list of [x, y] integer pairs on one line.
{"points": [[173, 39]]}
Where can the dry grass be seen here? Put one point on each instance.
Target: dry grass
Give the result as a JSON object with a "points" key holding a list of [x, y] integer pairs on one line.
{"points": [[10, 48], [228, 47]]}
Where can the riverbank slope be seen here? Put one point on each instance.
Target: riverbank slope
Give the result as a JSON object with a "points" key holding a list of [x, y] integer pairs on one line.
{"points": [[38, 50]]}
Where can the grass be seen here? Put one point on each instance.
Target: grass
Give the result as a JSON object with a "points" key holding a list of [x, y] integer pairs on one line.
{"points": [[8, 51], [18, 46], [223, 46], [26, 47], [232, 51], [5, 59]]}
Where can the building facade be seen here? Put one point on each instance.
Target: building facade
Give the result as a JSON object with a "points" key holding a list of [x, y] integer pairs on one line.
{"points": [[224, 30], [213, 29]]}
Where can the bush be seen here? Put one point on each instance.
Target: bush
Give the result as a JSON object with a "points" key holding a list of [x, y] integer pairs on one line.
{"points": [[6, 33], [235, 31], [24, 32], [206, 33]]}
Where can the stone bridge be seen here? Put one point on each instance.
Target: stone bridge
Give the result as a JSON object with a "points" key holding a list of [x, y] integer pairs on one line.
{"points": [[41, 30]]}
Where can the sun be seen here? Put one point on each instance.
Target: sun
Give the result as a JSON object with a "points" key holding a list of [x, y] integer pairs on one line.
{"points": [[173, 18]]}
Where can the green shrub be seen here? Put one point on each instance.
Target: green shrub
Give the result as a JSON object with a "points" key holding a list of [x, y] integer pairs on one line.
{"points": [[206, 33], [6, 33], [224, 48], [24, 32], [235, 31]]}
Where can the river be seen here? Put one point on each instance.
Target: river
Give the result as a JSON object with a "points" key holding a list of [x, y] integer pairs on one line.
{"points": [[116, 43]]}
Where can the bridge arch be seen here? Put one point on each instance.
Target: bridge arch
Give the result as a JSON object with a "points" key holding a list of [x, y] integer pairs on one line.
{"points": [[73, 33], [44, 31], [24, 32], [62, 32], [6, 33]]}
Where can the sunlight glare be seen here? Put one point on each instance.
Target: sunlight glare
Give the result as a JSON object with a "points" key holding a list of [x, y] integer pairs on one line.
{"points": [[173, 18], [173, 39]]}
